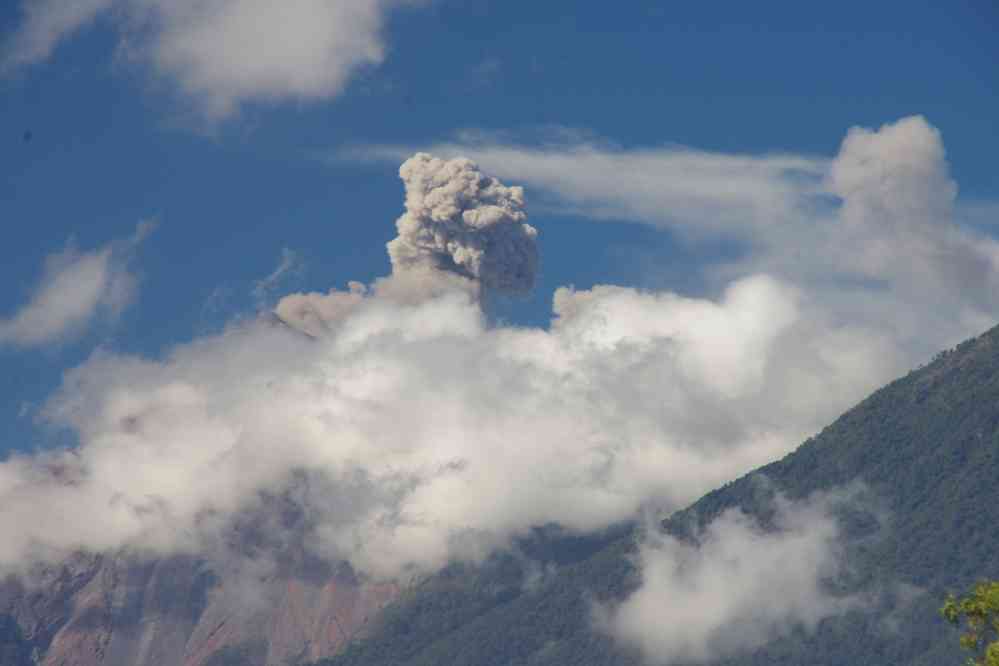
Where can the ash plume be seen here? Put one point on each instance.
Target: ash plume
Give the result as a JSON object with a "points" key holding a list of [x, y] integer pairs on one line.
{"points": [[460, 221]]}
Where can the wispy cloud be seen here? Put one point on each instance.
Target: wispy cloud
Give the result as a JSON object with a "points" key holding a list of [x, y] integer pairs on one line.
{"points": [[44, 24], [74, 289], [290, 264], [694, 191]]}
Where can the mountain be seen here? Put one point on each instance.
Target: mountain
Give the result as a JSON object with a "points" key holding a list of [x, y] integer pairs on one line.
{"points": [[925, 449], [106, 610]]}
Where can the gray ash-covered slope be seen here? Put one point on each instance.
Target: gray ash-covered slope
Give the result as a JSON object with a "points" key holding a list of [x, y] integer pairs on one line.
{"points": [[926, 446]]}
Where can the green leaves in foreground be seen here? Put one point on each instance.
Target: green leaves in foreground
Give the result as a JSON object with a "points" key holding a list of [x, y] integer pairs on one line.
{"points": [[980, 610]]}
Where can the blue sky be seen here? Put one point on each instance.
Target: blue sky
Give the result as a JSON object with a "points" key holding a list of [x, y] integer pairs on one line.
{"points": [[116, 140]]}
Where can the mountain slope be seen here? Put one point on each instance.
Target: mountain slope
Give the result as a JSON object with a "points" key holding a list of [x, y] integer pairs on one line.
{"points": [[926, 446], [103, 610]]}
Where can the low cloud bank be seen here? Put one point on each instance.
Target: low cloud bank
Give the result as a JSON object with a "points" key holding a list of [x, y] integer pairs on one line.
{"points": [[737, 588], [408, 431]]}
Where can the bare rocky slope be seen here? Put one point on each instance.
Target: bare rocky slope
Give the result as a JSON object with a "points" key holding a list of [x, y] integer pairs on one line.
{"points": [[103, 610]]}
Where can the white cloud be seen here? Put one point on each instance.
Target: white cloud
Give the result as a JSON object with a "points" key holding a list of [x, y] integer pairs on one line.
{"points": [[227, 52], [413, 432], [74, 288], [410, 431], [737, 588]]}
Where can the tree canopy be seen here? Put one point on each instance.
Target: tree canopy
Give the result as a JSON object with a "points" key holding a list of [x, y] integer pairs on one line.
{"points": [[980, 611]]}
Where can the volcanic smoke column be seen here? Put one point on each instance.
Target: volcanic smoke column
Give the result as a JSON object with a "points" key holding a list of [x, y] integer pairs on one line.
{"points": [[462, 231], [459, 221]]}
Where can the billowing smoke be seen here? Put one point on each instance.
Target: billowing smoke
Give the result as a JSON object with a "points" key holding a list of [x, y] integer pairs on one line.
{"points": [[462, 232], [459, 221]]}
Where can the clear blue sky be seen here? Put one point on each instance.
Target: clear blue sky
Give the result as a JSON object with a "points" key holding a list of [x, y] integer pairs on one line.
{"points": [[92, 144]]}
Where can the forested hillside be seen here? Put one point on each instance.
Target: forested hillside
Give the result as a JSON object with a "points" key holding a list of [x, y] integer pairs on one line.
{"points": [[925, 451]]}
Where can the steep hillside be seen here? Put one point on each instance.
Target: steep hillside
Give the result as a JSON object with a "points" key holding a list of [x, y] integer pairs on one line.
{"points": [[104, 610], [926, 447]]}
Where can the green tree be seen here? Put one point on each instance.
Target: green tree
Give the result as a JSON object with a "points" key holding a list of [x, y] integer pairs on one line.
{"points": [[980, 610]]}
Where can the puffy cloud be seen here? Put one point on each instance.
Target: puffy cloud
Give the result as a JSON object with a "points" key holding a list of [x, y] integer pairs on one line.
{"points": [[737, 587], [75, 286], [226, 52], [412, 433], [896, 224], [896, 175], [725, 344]]}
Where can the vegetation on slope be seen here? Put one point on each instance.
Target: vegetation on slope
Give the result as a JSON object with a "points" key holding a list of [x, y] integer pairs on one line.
{"points": [[980, 610], [15, 649]]}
